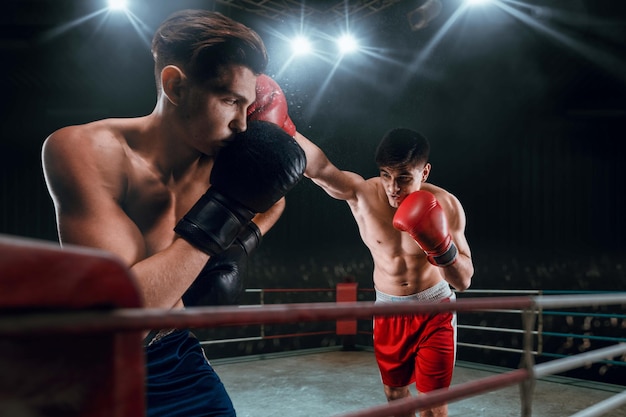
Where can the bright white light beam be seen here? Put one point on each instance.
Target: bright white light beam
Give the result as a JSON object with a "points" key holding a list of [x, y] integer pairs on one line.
{"points": [[477, 2], [347, 44], [118, 5], [301, 46]]}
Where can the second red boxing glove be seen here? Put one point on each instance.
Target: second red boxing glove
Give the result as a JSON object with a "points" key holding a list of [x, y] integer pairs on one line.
{"points": [[270, 105], [421, 216]]}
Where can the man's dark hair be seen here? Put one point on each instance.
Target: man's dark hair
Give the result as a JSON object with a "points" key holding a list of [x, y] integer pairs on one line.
{"points": [[402, 147], [202, 43]]}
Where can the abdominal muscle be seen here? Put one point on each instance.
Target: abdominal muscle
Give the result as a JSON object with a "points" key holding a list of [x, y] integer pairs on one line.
{"points": [[404, 275]]}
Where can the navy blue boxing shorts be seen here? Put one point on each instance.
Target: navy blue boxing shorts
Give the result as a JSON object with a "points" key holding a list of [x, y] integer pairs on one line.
{"points": [[180, 380]]}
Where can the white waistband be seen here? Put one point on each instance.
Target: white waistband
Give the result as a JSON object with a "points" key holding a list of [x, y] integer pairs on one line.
{"points": [[437, 292]]}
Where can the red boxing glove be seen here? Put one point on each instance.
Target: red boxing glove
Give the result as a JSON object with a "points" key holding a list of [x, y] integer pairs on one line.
{"points": [[421, 216], [270, 105]]}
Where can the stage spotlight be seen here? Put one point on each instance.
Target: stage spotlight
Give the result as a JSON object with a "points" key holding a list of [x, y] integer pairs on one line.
{"points": [[347, 44], [300, 46], [423, 15], [117, 5]]}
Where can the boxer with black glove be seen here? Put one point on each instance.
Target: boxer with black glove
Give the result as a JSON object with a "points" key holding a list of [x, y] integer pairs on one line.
{"points": [[249, 175], [221, 280]]}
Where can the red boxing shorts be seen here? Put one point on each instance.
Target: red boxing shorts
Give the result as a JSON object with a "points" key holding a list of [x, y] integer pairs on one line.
{"points": [[418, 348]]}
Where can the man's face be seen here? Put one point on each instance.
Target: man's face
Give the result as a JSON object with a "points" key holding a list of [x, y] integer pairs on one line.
{"points": [[217, 114], [401, 181]]}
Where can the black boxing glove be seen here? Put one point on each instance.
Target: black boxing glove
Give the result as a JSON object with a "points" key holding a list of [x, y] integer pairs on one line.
{"points": [[259, 167], [222, 279], [249, 175]]}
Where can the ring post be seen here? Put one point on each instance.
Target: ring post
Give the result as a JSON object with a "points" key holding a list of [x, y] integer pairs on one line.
{"points": [[347, 293], [92, 375], [527, 386]]}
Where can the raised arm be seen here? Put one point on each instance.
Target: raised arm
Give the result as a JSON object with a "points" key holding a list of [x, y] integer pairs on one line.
{"points": [[271, 105], [339, 184]]}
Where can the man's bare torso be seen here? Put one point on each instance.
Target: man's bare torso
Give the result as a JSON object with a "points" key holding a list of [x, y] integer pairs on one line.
{"points": [[152, 200], [400, 266]]}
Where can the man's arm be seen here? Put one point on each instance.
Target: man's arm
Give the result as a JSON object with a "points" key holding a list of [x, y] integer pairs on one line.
{"points": [[250, 175], [271, 105], [222, 280], [265, 221], [460, 273], [339, 184], [85, 177]]}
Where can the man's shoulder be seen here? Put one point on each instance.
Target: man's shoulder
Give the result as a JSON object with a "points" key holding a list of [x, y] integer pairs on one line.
{"points": [[373, 187], [445, 197], [91, 144], [91, 131], [435, 189], [101, 137], [370, 192]]}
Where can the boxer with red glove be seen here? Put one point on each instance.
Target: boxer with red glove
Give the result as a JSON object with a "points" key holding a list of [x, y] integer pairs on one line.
{"points": [[421, 216], [400, 200]]}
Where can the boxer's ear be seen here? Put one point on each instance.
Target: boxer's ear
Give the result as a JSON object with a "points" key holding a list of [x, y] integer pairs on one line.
{"points": [[173, 82], [426, 172]]}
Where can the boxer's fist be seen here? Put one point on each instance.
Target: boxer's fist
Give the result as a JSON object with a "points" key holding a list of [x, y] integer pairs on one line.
{"points": [[222, 279], [421, 216], [249, 175], [271, 105]]}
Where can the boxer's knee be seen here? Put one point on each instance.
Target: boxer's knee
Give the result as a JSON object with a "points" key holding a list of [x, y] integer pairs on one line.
{"points": [[441, 411], [395, 393]]}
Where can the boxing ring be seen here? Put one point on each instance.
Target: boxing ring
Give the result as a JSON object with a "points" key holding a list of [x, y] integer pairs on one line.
{"points": [[85, 303]]}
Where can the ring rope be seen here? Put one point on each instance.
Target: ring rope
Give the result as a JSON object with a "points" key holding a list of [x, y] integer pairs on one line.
{"points": [[133, 319], [130, 319]]}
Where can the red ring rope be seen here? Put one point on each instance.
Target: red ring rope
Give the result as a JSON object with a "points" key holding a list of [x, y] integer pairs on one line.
{"points": [[199, 317]]}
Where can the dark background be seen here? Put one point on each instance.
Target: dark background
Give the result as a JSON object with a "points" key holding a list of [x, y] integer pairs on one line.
{"points": [[524, 103], [525, 107]]}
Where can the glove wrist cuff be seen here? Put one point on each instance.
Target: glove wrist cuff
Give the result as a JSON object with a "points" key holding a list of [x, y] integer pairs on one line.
{"points": [[445, 259], [250, 238], [213, 223]]}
